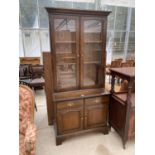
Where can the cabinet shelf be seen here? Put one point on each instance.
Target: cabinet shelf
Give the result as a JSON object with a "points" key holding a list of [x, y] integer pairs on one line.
{"points": [[91, 62], [93, 42], [65, 42]]}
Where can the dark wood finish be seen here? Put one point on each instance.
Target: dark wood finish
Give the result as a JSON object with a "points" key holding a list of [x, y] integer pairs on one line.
{"points": [[96, 115], [78, 43], [81, 110], [30, 60], [70, 116], [122, 105], [24, 71], [47, 61], [77, 12]]}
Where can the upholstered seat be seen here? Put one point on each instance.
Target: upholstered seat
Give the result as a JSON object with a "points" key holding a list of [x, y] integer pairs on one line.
{"points": [[27, 128]]}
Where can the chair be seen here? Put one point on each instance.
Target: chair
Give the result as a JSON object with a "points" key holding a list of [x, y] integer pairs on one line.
{"points": [[37, 77], [131, 62], [114, 64], [127, 64], [36, 71], [27, 128], [24, 71]]}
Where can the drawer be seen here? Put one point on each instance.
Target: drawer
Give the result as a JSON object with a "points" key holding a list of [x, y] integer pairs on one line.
{"points": [[97, 100], [69, 104]]}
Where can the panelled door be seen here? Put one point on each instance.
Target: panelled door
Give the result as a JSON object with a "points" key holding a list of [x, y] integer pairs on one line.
{"points": [[65, 44], [92, 50], [70, 116], [96, 110]]}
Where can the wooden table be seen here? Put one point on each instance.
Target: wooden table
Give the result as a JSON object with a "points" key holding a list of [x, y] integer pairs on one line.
{"points": [[122, 104]]}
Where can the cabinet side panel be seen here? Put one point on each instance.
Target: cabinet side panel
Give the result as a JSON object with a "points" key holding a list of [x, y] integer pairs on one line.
{"points": [[47, 61]]}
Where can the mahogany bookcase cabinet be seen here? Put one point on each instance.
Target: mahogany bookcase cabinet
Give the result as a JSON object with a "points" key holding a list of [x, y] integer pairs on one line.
{"points": [[78, 43], [122, 104]]}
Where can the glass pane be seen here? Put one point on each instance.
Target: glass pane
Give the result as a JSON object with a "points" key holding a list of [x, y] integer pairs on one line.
{"points": [[21, 50], [66, 75], [118, 45], [31, 43], [132, 27], [65, 35], [92, 50], [45, 40], [121, 18], [111, 16], [65, 48], [77, 5], [29, 17], [131, 45], [46, 3], [43, 16], [110, 38], [63, 4], [28, 3], [20, 23]]}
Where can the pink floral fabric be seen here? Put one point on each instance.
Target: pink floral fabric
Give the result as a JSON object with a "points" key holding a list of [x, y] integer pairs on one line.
{"points": [[27, 130]]}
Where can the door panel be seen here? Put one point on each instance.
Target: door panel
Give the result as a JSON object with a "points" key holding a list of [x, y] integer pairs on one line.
{"points": [[65, 44], [70, 120], [96, 115], [91, 50]]}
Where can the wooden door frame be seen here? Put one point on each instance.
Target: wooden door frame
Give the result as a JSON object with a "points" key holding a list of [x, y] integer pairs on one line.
{"points": [[103, 52], [52, 43]]}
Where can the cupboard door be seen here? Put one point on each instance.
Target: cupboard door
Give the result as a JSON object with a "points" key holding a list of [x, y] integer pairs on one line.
{"points": [[96, 115], [70, 120], [91, 50], [65, 38]]}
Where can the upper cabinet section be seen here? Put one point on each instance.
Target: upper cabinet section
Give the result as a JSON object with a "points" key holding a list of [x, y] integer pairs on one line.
{"points": [[78, 40]]}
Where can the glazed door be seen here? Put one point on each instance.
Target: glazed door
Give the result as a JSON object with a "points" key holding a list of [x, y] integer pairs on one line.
{"points": [[92, 50], [65, 45]]}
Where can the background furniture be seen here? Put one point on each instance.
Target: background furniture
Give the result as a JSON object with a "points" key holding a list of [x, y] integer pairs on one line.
{"points": [[114, 64], [30, 60], [122, 104], [24, 71], [32, 75], [27, 128], [78, 42], [48, 74]]}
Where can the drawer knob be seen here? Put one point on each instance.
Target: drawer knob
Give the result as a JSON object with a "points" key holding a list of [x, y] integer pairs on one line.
{"points": [[82, 95]]}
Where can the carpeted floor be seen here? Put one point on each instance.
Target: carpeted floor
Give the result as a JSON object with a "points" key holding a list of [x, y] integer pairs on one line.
{"points": [[86, 144]]}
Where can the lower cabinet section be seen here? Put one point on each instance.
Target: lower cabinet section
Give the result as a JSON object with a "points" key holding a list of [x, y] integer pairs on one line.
{"points": [[81, 115]]}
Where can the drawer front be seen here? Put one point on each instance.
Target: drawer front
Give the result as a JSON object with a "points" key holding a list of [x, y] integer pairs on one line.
{"points": [[97, 100], [69, 104]]}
